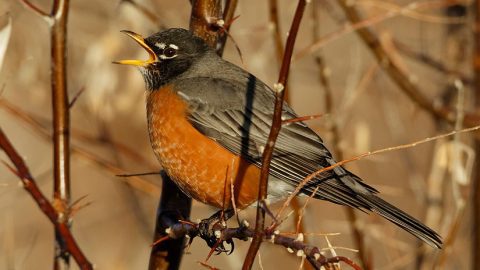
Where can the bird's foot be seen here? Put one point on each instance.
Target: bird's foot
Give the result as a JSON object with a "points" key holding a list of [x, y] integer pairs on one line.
{"points": [[210, 230]]}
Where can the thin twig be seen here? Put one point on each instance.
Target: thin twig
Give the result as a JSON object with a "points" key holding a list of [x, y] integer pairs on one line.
{"points": [[361, 24], [36, 9], [367, 154], [431, 62], [136, 182], [286, 122], [43, 203], [138, 174], [274, 131], [395, 72], [228, 18], [75, 98]]}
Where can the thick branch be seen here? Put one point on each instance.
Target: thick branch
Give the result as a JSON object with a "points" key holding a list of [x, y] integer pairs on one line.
{"points": [[61, 115], [272, 137], [29, 184], [293, 245], [60, 101], [205, 14]]}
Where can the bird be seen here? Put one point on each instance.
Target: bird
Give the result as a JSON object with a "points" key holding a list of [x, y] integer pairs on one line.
{"points": [[208, 123]]}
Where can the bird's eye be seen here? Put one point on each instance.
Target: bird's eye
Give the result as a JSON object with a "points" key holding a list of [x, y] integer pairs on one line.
{"points": [[169, 52]]}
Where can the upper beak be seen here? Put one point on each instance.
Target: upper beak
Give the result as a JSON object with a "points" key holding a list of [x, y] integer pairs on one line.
{"points": [[141, 41]]}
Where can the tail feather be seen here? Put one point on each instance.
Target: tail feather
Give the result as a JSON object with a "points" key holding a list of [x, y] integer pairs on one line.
{"points": [[401, 219]]}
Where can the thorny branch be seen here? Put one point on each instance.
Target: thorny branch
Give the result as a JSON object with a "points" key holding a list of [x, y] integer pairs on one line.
{"points": [[274, 19], [57, 21], [293, 245], [279, 89], [57, 219]]}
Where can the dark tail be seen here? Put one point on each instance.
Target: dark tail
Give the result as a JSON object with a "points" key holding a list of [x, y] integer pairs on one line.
{"points": [[402, 219]]}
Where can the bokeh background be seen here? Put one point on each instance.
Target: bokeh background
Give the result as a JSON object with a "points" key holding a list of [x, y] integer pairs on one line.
{"points": [[362, 110]]}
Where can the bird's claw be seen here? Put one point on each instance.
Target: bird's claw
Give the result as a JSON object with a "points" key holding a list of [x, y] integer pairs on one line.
{"points": [[209, 229]]}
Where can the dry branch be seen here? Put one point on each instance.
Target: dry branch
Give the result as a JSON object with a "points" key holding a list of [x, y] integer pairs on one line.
{"points": [[135, 182], [293, 245], [57, 219], [57, 21], [279, 89]]}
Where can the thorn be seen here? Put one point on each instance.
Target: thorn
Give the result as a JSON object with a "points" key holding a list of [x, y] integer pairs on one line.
{"points": [[74, 99], [160, 240]]}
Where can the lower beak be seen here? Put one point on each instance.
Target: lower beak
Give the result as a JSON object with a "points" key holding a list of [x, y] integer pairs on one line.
{"points": [[141, 41]]}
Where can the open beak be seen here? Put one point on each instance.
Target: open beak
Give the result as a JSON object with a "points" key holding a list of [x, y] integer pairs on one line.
{"points": [[139, 63]]}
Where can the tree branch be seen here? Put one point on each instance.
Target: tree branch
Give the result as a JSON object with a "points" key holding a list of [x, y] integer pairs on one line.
{"points": [[396, 74], [29, 184], [36, 9], [279, 89], [293, 245], [57, 21]]}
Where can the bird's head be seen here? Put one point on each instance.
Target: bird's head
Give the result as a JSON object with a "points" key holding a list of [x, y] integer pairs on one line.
{"points": [[171, 53]]}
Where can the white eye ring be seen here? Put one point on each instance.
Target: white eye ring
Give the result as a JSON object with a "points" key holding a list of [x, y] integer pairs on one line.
{"points": [[169, 52]]}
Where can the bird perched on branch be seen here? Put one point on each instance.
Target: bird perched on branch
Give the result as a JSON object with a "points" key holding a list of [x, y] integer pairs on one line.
{"points": [[209, 121]]}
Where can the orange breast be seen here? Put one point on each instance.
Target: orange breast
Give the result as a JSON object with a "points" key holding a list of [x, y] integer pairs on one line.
{"points": [[200, 167]]}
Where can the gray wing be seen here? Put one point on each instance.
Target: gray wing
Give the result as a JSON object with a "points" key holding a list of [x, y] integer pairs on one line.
{"points": [[238, 115]]}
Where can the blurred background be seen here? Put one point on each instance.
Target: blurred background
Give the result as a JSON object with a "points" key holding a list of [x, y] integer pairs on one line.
{"points": [[429, 42]]}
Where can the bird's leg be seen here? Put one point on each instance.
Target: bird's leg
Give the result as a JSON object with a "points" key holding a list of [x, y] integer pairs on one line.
{"points": [[209, 229]]}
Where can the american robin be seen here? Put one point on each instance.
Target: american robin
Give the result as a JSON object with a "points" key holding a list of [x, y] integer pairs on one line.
{"points": [[209, 120]]}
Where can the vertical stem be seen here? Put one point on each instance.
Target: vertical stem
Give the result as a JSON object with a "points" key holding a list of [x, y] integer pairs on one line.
{"points": [[61, 119], [272, 137], [476, 180], [174, 204]]}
